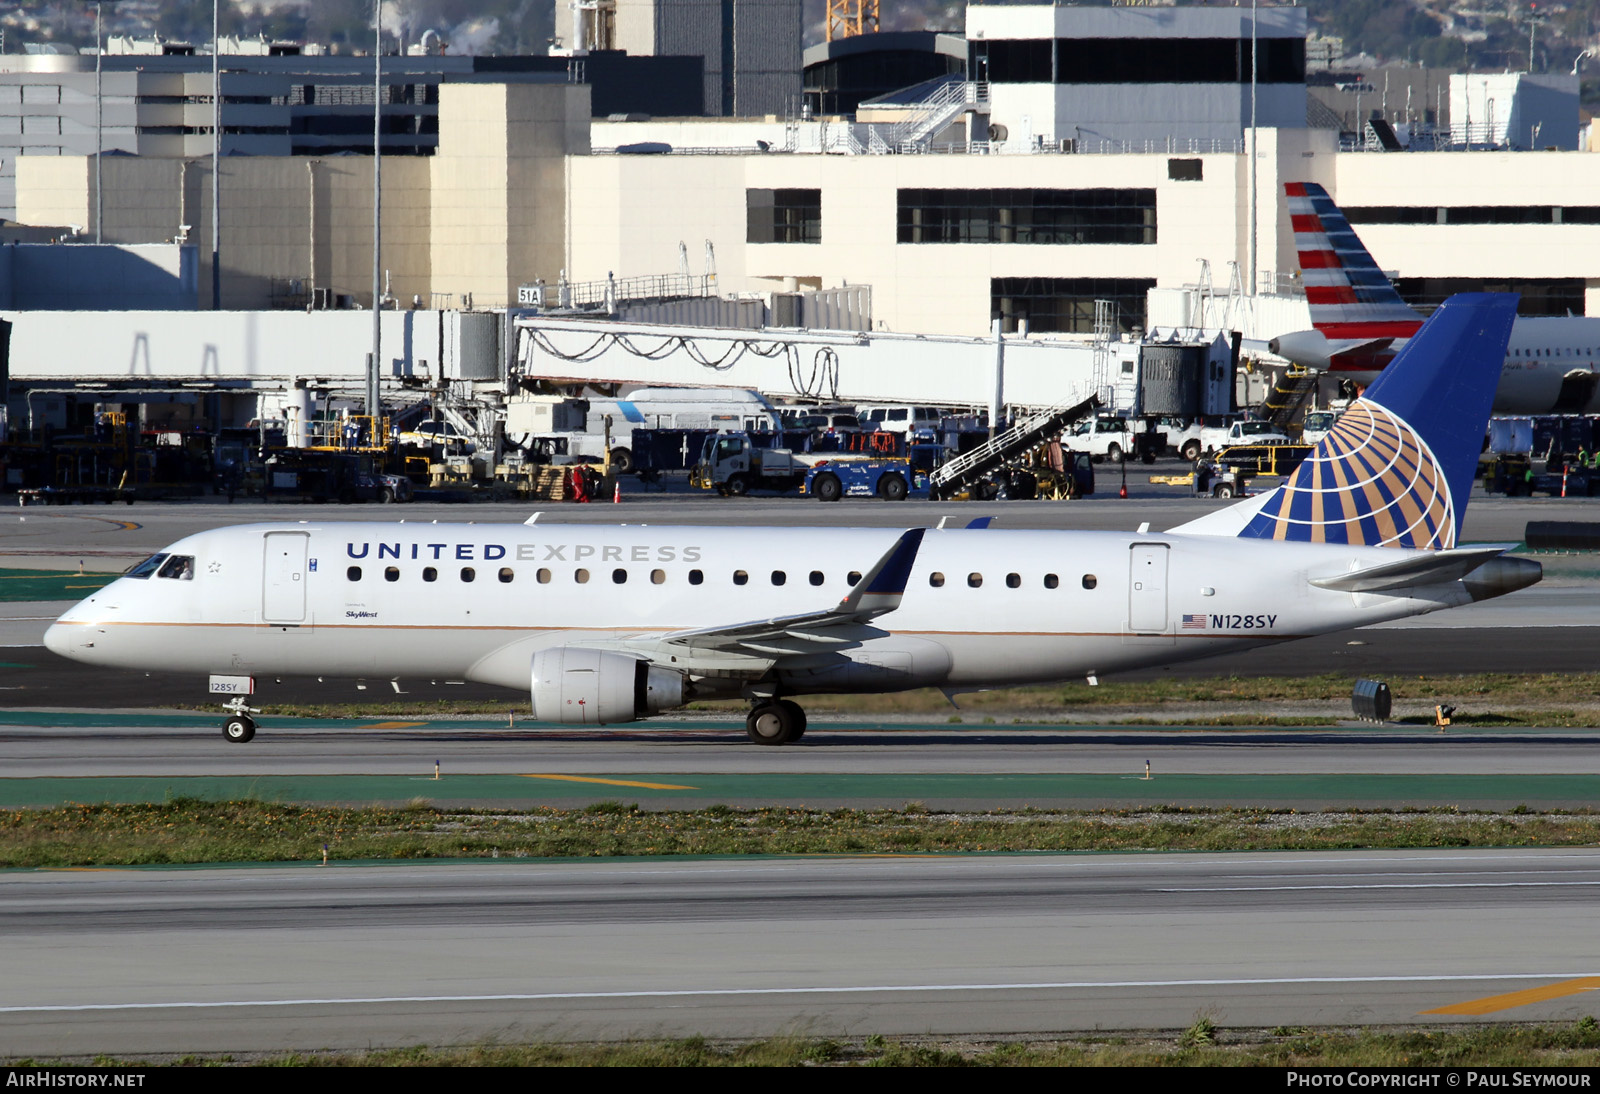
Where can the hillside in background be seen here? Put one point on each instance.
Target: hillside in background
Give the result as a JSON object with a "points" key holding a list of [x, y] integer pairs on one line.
{"points": [[1488, 36]]}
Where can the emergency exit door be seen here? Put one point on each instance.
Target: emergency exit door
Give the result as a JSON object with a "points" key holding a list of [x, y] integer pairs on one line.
{"points": [[283, 576], [1147, 588]]}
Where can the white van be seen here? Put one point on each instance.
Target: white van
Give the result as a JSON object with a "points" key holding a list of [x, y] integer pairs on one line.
{"points": [[899, 419]]}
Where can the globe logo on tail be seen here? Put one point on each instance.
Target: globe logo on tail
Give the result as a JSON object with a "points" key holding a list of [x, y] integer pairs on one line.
{"points": [[1371, 482]]}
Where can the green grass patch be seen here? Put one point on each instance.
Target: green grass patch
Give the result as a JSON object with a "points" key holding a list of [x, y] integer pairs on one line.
{"points": [[50, 584], [1538, 692], [1203, 1044], [194, 831]]}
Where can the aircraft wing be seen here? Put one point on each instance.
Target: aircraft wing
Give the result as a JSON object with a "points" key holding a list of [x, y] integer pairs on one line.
{"points": [[879, 591], [1421, 568]]}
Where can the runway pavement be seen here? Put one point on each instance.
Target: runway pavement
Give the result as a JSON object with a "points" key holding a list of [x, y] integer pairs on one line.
{"points": [[239, 960], [260, 959]]}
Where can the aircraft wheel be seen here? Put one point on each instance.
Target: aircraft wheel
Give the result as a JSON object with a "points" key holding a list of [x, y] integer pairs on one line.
{"points": [[826, 487], [893, 488], [773, 723], [238, 729], [798, 713]]}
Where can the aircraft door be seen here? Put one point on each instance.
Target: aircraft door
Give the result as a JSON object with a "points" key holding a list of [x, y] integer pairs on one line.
{"points": [[1147, 588], [283, 578]]}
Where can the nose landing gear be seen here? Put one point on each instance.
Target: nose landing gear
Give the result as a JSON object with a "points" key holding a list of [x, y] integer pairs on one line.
{"points": [[240, 727], [776, 722]]}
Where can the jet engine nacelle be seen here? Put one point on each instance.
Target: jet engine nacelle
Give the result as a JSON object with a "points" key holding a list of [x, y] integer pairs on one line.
{"points": [[598, 687]]}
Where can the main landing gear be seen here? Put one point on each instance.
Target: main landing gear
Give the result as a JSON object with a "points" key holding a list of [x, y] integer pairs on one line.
{"points": [[240, 727], [775, 722]]}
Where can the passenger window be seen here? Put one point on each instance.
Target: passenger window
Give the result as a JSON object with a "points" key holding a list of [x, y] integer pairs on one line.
{"points": [[506, 575], [816, 577], [619, 577], [658, 577], [853, 578], [391, 573], [581, 576], [974, 580], [544, 576], [696, 577], [1051, 581], [740, 577], [468, 573], [147, 567], [936, 579], [1090, 581], [430, 574], [779, 577], [1013, 581], [353, 573]]}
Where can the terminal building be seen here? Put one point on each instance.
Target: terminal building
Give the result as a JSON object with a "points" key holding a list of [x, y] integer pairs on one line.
{"points": [[1076, 156]]}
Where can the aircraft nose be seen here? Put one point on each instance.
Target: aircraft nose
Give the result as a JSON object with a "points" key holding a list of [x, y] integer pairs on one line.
{"points": [[60, 639]]}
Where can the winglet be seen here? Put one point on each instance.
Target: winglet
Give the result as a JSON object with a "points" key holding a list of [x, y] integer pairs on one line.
{"points": [[980, 522], [881, 588]]}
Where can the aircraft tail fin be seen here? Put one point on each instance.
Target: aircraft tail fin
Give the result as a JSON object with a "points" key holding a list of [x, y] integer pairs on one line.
{"points": [[1349, 296], [1398, 466]]}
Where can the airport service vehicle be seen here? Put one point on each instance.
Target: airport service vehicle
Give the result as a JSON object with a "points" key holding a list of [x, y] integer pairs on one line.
{"points": [[1359, 322], [1216, 438], [832, 478], [606, 624], [1113, 439], [900, 419], [732, 464], [316, 475], [1317, 425], [571, 429], [437, 434]]}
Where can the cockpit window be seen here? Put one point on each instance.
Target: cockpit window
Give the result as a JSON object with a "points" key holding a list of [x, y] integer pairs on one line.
{"points": [[147, 567], [178, 567]]}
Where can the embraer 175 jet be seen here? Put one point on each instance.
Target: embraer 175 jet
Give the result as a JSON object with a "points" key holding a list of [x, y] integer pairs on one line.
{"points": [[611, 623], [1360, 322]]}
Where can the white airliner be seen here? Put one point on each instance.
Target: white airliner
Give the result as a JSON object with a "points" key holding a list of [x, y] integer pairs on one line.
{"points": [[606, 624], [1360, 322]]}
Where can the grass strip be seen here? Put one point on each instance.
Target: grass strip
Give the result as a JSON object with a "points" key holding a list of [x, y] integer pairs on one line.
{"points": [[190, 831], [1202, 1044], [1466, 692]]}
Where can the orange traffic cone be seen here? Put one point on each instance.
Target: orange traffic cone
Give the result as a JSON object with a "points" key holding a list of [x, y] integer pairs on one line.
{"points": [[1123, 492], [616, 493]]}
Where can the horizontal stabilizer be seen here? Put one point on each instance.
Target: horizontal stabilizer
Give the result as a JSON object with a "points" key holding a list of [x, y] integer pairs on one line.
{"points": [[1429, 568]]}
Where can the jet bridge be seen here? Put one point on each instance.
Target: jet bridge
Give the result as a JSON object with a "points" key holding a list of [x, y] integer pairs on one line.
{"points": [[842, 366]]}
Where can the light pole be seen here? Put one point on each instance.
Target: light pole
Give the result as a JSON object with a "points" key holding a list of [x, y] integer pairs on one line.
{"points": [[373, 404], [216, 161], [99, 122]]}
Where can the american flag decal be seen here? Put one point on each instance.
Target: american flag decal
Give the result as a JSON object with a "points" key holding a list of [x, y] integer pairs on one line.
{"points": [[1194, 622]]}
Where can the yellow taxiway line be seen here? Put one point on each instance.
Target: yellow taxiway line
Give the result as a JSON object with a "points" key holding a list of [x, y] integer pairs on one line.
{"points": [[1521, 998], [610, 782]]}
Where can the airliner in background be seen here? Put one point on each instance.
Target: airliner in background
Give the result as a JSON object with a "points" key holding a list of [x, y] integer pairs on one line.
{"points": [[603, 624], [1360, 322]]}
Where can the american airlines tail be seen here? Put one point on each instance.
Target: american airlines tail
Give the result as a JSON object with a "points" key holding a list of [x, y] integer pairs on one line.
{"points": [[1359, 321], [1397, 468]]}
